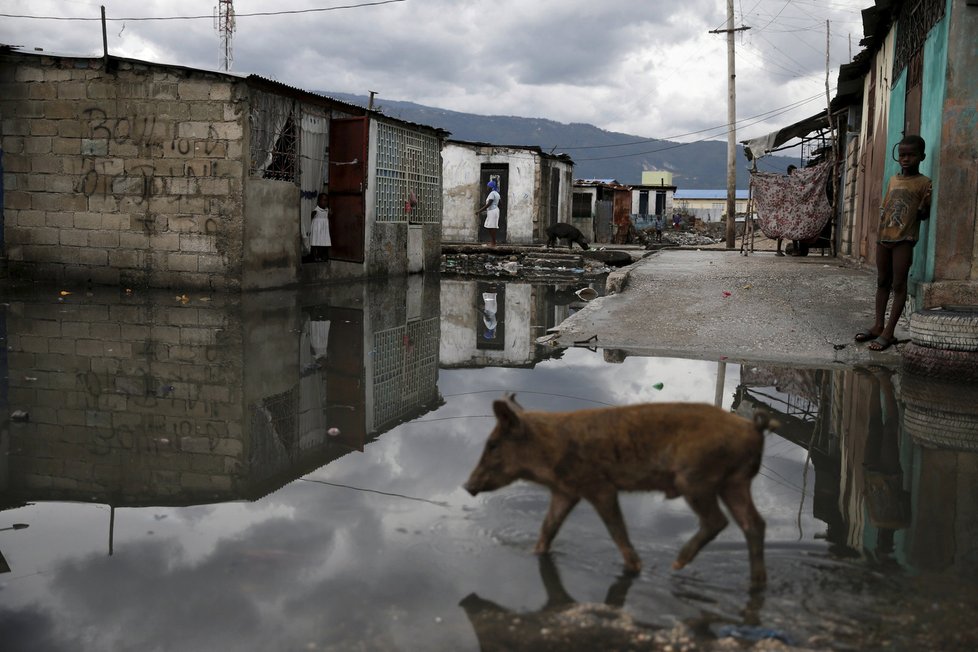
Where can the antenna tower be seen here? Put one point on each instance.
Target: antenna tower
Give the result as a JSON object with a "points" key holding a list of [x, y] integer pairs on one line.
{"points": [[224, 24]]}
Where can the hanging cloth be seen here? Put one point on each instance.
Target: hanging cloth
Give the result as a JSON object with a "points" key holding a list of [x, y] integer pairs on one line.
{"points": [[795, 206]]}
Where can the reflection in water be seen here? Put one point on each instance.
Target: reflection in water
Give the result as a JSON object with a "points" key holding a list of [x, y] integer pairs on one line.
{"points": [[142, 400], [881, 492], [503, 320], [216, 406], [560, 624]]}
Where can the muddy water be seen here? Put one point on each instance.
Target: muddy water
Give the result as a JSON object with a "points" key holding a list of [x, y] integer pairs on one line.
{"points": [[282, 472]]}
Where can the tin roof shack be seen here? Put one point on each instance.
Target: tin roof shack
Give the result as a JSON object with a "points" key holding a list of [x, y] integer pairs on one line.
{"points": [[602, 209], [918, 74], [534, 187], [120, 171], [649, 200]]}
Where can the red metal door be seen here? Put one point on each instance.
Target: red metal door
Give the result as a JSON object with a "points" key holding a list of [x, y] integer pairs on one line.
{"points": [[347, 183]]}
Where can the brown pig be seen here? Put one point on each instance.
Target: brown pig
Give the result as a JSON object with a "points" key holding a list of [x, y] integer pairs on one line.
{"points": [[694, 450]]}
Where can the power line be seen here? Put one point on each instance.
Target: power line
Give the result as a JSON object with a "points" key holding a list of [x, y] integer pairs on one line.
{"points": [[211, 16], [769, 113]]}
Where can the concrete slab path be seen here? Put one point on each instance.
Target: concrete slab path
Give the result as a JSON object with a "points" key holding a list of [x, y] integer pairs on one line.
{"points": [[718, 304]]}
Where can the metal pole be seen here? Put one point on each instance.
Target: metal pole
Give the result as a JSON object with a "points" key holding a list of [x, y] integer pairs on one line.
{"points": [[105, 40]]}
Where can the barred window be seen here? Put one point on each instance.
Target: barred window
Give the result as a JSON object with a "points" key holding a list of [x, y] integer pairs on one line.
{"points": [[408, 185], [274, 138], [581, 206], [915, 22]]}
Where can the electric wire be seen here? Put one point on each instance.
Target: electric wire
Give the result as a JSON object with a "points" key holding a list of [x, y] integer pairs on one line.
{"points": [[209, 17]]}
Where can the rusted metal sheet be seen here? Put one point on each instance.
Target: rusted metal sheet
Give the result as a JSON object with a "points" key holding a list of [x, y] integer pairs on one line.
{"points": [[347, 184]]}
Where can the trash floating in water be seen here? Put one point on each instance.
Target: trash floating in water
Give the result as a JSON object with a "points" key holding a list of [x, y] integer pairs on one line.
{"points": [[333, 432], [586, 294], [182, 298], [19, 415], [726, 293], [749, 633], [658, 386], [64, 293]]}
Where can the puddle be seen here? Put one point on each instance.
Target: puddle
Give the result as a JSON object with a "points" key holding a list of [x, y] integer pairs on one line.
{"points": [[284, 471]]}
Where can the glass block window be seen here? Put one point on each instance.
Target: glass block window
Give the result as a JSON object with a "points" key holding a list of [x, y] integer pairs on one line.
{"points": [[408, 174], [405, 371]]}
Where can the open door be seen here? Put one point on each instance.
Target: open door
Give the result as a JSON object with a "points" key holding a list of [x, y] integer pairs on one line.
{"points": [[500, 174], [347, 183]]}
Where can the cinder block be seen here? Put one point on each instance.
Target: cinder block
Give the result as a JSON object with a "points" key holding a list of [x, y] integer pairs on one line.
{"points": [[196, 89], [44, 127], [58, 183], [87, 220], [12, 145], [28, 219], [59, 219], [66, 146], [71, 90], [92, 257], [40, 91], [73, 237], [104, 239], [165, 242], [69, 128], [197, 243]]}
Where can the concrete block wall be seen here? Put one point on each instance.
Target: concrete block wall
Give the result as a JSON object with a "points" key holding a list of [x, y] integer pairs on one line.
{"points": [[128, 400], [132, 177]]}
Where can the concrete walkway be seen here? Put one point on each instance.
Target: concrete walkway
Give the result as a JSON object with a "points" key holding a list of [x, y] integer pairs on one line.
{"points": [[718, 304]]}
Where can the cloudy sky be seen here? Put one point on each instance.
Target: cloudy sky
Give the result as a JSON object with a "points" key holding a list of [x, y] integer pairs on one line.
{"points": [[647, 68]]}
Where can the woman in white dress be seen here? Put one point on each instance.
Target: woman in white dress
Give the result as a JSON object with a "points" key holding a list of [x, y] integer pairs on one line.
{"points": [[491, 209], [319, 238]]}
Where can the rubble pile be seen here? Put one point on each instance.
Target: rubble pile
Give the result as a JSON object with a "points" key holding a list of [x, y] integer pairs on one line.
{"points": [[674, 238], [531, 266]]}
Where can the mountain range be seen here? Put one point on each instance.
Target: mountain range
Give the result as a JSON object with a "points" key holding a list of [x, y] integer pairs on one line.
{"points": [[597, 153]]}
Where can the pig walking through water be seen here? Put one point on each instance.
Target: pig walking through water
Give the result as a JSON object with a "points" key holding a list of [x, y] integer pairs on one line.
{"points": [[694, 450]]}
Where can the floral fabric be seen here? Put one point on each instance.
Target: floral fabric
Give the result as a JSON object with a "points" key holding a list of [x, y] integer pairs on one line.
{"points": [[795, 206]]}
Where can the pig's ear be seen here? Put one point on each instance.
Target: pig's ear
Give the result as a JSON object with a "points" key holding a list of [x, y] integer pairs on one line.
{"points": [[508, 413]]}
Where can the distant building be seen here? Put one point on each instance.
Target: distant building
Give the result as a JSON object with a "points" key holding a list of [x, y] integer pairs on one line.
{"points": [[707, 205], [656, 178], [602, 209]]}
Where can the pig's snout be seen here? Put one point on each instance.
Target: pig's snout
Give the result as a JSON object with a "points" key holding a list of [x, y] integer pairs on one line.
{"points": [[471, 487]]}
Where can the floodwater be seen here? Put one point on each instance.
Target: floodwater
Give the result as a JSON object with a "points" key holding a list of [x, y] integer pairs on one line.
{"points": [[283, 471]]}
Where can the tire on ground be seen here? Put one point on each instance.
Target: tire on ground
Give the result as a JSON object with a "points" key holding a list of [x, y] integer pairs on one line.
{"points": [[952, 329], [940, 363]]}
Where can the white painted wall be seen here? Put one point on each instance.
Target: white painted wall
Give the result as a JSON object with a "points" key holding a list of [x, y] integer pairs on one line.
{"points": [[462, 193], [459, 317]]}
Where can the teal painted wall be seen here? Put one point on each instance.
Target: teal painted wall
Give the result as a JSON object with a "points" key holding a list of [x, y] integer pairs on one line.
{"points": [[933, 93]]}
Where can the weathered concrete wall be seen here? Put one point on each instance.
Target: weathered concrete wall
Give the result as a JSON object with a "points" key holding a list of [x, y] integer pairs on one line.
{"points": [[130, 177], [956, 216], [459, 328], [128, 400], [271, 253], [463, 195]]}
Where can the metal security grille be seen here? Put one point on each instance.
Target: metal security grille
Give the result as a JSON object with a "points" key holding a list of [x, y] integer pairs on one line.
{"points": [[405, 371], [274, 427], [274, 138], [915, 22], [407, 162]]}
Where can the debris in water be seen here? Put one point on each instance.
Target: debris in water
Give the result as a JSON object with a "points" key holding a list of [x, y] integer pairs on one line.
{"points": [[19, 415], [726, 293], [333, 432], [658, 386]]}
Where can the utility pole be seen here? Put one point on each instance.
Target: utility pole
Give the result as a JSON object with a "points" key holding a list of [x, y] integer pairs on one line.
{"points": [[731, 125]]}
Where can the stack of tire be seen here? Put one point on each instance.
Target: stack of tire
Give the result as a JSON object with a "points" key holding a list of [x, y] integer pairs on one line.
{"points": [[940, 380]]}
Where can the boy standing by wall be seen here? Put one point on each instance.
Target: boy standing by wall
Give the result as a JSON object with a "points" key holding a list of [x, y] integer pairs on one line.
{"points": [[906, 203]]}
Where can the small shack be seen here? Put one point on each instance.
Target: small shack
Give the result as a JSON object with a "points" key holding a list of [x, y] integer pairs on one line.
{"points": [[133, 173], [535, 189]]}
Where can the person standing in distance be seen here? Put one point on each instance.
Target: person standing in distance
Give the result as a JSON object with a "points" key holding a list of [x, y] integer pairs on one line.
{"points": [[491, 209]]}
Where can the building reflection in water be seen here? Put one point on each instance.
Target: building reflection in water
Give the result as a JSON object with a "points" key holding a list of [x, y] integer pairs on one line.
{"points": [[497, 323], [149, 399], [894, 458]]}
